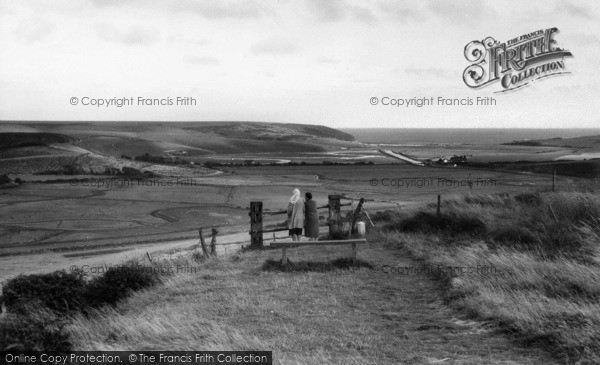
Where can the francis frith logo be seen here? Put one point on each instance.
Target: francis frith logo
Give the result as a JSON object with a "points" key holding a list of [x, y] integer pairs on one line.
{"points": [[516, 62]]}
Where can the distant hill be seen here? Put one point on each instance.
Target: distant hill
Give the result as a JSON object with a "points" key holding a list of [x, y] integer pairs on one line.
{"points": [[270, 131], [591, 142], [36, 147], [197, 138]]}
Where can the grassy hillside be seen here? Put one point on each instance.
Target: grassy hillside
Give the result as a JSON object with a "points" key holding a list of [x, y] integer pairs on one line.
{"points": [[269, 131], [530, 263], [22, 139], [521, 276], [318, 315], [585, 169], [112, 145], [196, 138], [575, 142]]}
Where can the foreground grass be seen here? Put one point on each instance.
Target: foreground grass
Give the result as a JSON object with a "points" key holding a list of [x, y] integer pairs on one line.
{"points": [[542, 254], [328, 316], [39, 306]]}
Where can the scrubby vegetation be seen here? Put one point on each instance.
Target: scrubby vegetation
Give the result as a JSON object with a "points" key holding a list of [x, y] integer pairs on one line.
{"points": [[589, 169], [531, 263], [146, 157], [305, 266], [40, 305], [18, 139]]}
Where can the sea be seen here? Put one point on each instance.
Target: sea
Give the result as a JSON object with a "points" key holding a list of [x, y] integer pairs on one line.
{"points": [[479, 136]]}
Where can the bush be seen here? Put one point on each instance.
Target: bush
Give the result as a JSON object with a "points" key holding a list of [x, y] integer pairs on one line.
{"points": [[509, 233], [39, 330], [453, 223], [58, 291], [486, 200], [304, 266], [388, 216], [529, 198], [64, 292], [130, 171], [118, 282], [40, 304]]}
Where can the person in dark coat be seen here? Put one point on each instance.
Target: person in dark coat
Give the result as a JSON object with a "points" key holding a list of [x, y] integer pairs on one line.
{"points": [[311, 221]]}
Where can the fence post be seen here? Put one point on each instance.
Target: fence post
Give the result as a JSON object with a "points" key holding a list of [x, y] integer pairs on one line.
{"points": [[356, 213], [256, 238], [334, 215], [334, 207], [553, 179], [202, 243], [213, 241], [438, 205]]}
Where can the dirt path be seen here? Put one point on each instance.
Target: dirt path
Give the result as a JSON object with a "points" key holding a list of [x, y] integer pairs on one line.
{"points": [[402, 319]]}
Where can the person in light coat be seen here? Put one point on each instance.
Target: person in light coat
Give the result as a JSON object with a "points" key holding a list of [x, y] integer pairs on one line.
{"points": [[295, 213]]}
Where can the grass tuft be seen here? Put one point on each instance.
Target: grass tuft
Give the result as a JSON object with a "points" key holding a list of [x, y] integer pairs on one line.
{"points": [[306, 266], [542, 251], [453, 223]]}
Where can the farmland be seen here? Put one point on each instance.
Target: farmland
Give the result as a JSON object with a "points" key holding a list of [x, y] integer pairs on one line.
{"points": [[82, 189]]}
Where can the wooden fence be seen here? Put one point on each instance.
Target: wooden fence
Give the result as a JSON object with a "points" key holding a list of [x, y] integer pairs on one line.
{"points": [[334, 218]]}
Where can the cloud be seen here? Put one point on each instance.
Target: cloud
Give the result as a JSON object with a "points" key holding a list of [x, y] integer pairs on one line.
{"points": [[576, 10], [134, 35], [209, 9], [327, 60], [336, 10], [327, 11], [32, 31], [363, 15], [274, 47], [467, 12], [218, 9], [586, 39], [202, 60], [402, 12], [426, 72], [187, 40]]}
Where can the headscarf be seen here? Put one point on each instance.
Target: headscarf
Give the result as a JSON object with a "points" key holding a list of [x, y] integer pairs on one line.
{"points": [[295, 196]]}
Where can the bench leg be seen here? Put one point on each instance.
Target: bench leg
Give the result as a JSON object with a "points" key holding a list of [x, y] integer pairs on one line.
{"points": [[354, 252], [283, 255]]}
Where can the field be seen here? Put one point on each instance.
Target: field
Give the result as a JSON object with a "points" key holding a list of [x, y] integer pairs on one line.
{"points": [[89, 210], [79, 192]]}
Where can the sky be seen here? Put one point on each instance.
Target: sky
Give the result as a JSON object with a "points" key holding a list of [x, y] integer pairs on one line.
{"points": [[302, 61]]}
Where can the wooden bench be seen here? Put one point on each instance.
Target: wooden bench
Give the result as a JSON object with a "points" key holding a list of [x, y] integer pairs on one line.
{"points": [[285, 245]]}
